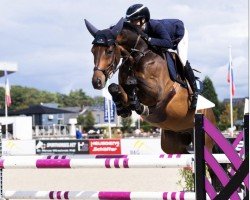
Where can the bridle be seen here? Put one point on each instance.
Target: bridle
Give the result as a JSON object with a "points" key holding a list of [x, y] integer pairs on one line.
{"points": [[111, 69]]}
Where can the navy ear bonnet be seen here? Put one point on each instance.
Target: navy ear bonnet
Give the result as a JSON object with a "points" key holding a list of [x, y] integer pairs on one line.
{"points": [[104, 37]]}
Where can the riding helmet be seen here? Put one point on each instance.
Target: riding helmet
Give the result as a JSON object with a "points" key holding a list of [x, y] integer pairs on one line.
{"points": [[138, 11]]}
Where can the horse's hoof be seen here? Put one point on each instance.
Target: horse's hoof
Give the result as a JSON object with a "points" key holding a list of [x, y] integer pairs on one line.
{"points": [[113, 89]]}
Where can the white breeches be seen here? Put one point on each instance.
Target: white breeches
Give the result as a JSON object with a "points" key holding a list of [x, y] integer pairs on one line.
{"points": [[182, 48]]}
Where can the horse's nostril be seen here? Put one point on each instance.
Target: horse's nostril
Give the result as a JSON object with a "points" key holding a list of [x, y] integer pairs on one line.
{"points": [[99, 82]]}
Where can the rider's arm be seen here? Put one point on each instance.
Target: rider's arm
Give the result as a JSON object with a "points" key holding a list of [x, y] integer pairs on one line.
{"points": [[160, 37]]}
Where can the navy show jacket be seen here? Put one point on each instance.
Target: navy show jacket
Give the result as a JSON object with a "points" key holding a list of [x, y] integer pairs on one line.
{"points": [[163, 33]]}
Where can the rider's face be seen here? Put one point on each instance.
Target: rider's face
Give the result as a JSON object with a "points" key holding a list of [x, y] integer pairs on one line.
{"points": [[138, 22]]}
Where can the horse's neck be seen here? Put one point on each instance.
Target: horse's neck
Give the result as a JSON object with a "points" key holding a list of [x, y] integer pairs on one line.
{"points": [[140, 45], [134, 41]]}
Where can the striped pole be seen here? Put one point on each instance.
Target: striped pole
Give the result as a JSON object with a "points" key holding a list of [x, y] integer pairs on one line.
{"points": [[107, 195], [32, 162]]}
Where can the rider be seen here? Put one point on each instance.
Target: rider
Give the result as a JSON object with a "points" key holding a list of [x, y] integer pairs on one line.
{"points": [[166, 33]]}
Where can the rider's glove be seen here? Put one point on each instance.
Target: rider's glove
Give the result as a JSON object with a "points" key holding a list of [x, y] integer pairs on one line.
{"points": [[175, 43], [145, 36]]}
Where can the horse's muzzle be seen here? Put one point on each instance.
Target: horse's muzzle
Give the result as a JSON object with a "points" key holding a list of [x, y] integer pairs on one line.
{"points": [[98, 84]]}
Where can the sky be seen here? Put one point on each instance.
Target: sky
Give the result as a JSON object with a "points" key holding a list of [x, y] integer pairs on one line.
{"points": [[50, 43]]}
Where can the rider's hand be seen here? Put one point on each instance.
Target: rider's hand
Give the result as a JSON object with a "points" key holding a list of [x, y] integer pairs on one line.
{"points": [[145, 36], [174, 46], [175, 43]]}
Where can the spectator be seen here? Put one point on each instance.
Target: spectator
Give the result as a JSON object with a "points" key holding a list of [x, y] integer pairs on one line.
{"points": [[78, 134]]}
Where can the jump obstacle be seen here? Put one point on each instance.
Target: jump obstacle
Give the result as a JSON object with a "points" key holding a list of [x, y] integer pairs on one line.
{"points": [[204, 189], [168, 161]]}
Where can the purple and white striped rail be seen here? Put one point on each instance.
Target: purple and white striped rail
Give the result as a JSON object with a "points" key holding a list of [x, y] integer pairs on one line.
{"points": [[103, 156], [9, 162], [22, 163], [107, 195], [146, 156]]}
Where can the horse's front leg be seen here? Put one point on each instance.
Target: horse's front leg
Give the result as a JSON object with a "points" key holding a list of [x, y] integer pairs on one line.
{"points": [[121, 100], [134, 103]]}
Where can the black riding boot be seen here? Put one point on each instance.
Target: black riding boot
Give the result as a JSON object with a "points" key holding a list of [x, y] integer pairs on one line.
{"points": [[189, 74]]}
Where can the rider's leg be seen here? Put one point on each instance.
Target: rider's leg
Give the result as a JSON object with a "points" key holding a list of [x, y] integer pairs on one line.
{"points": [[189, 74], [182, 48]]}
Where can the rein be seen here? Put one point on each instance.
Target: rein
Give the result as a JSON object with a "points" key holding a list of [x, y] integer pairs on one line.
{"points": [[141, 53], [133, 50], [112, 69]]}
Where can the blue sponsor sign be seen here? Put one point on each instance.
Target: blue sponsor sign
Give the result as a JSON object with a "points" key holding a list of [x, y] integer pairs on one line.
{"points": [[109, 107]]}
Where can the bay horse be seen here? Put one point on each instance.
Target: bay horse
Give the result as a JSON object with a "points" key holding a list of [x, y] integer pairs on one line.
{"points": [[144, 85]]}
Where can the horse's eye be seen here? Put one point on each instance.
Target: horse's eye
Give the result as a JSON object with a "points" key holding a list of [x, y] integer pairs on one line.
{"points": [[109, 52]]}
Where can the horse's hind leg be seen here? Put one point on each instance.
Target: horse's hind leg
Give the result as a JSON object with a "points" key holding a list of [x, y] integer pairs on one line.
{"points": [[175, 143], [121, 100]]}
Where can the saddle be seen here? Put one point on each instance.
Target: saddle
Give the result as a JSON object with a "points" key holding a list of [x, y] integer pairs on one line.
{"points": [[177, 73]]}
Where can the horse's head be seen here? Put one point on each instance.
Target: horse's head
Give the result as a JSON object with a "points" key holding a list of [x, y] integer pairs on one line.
{"points": [[106, 52]]}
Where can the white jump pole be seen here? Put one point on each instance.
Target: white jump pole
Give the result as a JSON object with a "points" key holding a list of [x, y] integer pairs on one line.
{"points": [[134, 162], [99, 195]]}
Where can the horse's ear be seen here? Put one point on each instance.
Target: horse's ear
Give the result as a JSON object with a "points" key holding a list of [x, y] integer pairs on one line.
{"points": [[91, 28], [118, 27]]}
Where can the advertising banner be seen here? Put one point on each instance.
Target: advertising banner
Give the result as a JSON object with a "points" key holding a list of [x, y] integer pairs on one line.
{"points": [[62, 147], [141, 146], [105, 146], [18, 147], [109, 110]]}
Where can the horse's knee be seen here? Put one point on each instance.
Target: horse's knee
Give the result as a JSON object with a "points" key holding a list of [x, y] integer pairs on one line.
{"points": [[131, 82]]}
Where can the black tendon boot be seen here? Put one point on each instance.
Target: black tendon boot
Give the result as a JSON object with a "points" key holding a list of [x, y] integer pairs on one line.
{"points": [[135, 104], [189, 74]]}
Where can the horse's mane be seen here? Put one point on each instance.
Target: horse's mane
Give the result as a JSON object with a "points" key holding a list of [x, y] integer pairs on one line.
{"points": [[131, 27]]}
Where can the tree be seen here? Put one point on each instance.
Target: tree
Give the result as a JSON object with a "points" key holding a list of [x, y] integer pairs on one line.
{"points": [[77, 98], [225, 120], [144, 125], [126, 124], [2, 98], [80, 120], [98, 100], [23, 97], [210, 93], [87, 121]]}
